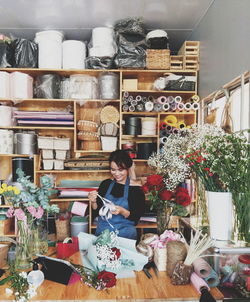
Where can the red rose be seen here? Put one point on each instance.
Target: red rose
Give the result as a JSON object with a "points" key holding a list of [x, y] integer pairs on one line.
{"points": [[182, 199], [165, 194], [108, 278], [145, 188], [154, 180], [117, 252], [181, 189]]}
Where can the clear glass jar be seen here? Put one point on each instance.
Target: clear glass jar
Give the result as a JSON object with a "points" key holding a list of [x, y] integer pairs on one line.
{"points": [[244, 266]]}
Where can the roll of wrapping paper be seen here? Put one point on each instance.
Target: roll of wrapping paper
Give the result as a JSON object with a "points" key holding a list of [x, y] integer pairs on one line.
{"points": [[157, 107], [148, 126], [139, 107], [133, 102], [171, 120], [202, 268], [131, 108], [178, 99], [198, 282], [170, 99], [180, 107], [163, 133], [138, 98], [169, 129], [165, 107], [125, 94], [150, 98], [195, 98], [144, 99], [162, 99], [181, 125], [163, 125], [149, 106], [173, 106], [212, 279], [125, 101], [187, 106], [163, 140], [144, 150], [132, 126], [125, 108], [130, 98], [175, 130], [195, 106]]}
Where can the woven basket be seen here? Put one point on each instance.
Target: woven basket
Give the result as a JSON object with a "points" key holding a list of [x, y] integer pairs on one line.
{"points": [[158, 59], [62, 229], [91, 145], [109, 114], [160, 258], [88, 136], [90, 126]]}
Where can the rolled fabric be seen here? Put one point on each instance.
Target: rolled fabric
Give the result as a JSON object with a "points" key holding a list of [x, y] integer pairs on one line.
{"points": [[202, 268], [198, 282], [157, 107], [212, 279], [133, 102], [149, 106], [163, 140], [162, 99], [187, 106], [125, 108], [180, 106], [138, 98], [166, 107], [195, 106], [173, 106], [178, 99], [170, 99], [125, 94], [131, 108], [139, 107]]}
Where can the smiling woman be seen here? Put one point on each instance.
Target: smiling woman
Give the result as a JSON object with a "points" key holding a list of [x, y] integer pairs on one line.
{"points": [[125, 197]]}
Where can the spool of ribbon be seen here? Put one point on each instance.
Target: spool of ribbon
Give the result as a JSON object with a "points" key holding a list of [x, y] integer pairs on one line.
{"points": [[212, 279], [181, 125], [138, 98], [162, 99], [195, 106], [195, 98], [149, 106], [171, 120], [165, 107], [163, 140], [198, 282], [202, 268], [178, 99], [180, 106], [163, 125]]}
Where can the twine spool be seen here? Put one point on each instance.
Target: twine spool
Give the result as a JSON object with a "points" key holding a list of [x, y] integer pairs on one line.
{"points": [[132, 126], [176, 251], [148, 126], [109, 86]]}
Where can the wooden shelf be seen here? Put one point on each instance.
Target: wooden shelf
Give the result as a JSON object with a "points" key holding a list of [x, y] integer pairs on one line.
{"points": [[161, 91], [125, 136], [17, 155], [70, 171], [38, 127]]}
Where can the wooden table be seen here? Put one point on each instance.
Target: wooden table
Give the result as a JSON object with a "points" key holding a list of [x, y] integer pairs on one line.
{"points": [[140, 288]]}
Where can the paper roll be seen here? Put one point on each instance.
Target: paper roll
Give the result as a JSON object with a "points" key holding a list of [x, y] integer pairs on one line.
{"points": [[195, 98], [130, 98], [163, 125], [162, 99], [169, 129], [163, 133], [212, 279], [149, 106], [187, 106], [163, 139], [195, 106], [170, 99], [133, 102], [138, 98], [139, 107], [157, 107], [171, 120], [178, 99], [131, 108], [150, 98], [125, 108], [125, 94], [173, 106], [175, 131], [198, 282], [180, 106], [181, 125], [166, 107], [202, 268]]}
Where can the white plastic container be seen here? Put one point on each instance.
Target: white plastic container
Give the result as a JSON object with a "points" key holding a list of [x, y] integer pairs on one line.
{"points": [[4, 85], [109, 143], [77, 227], [49, 49], [48, 164], [58, 164], [45, 142], [61, 143], [6, 141], [102, 36], [47, 154], [6, 116], [21, 86], [61, 154], [74, 54]]}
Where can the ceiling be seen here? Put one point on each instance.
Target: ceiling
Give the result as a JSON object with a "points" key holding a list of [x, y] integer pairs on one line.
{"points": [[76, 18]]}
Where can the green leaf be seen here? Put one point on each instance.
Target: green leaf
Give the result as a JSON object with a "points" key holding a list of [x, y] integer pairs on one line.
{"points": [[5, 280]]}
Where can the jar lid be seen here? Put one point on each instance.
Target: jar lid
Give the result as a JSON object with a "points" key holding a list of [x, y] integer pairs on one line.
{"points": [[244, 259]]}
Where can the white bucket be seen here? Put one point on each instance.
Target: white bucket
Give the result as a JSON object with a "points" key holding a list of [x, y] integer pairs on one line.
{"points": [[102, 51], [6, 118], [109, 143], [21, 86], [77, 227], [102, 36], [4, 85], [6, 142], [74, 54], [49, 49], [148, 126]]}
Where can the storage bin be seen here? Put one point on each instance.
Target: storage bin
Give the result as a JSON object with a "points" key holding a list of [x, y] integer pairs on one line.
{"points": [[129, 84], [21, 86], [158, 58], [47, 154], [45, 142], [61, 154], [109, 143], [4, 85], [77, 227], [61, 143], [48, 164], [6, 226], [58, 164]]}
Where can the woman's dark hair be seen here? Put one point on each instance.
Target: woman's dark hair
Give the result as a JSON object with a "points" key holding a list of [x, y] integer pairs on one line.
{"points": [[121, 158]]}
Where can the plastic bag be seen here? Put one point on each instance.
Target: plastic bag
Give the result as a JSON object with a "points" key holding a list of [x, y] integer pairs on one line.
{"points": [[133, 26], [47, 86], [25, 53], [5, 53], [99, 63]]}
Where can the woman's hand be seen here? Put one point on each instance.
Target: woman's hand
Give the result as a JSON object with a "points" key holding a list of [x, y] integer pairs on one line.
{"points": [[120, 210], [92, 196]]}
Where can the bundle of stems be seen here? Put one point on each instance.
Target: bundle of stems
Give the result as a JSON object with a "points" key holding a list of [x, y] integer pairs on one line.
{"points": [[198, 244]]}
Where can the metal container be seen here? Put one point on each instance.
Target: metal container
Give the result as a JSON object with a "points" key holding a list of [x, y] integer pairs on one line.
{"points": [[25, 143], [109, 86], [24, 163]]}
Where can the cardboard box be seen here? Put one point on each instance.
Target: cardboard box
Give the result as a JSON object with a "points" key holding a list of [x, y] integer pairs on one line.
{"points": [[129, 84]]}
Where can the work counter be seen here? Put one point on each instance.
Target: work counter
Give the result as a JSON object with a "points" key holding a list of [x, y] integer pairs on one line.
{"points": [[140, 288]]}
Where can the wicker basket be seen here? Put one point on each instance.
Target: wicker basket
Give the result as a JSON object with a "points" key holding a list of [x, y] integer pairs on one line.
{"points": [[109, 114], [62, 229], [84, 125], [90, 145], [88, 136], [158, 59]]}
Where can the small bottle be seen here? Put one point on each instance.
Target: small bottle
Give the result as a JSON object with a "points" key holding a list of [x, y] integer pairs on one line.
{"points": [[35, 277]]}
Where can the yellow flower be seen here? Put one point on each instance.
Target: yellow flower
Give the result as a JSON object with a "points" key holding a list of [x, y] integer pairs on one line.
{"points": [[10, 188], [4, 186], [16, 191], [1, 191]]}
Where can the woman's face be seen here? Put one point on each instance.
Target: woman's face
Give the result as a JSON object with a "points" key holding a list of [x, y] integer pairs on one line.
{"points": [[119, 174]]}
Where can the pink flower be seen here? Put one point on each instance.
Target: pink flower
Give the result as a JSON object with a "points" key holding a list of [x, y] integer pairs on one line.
{"points": [[20, 215], [10, 212], [39, 212], [32, 210]]}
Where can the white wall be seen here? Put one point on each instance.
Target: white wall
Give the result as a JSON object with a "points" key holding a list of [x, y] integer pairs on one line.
{"points": [[224, 33]]}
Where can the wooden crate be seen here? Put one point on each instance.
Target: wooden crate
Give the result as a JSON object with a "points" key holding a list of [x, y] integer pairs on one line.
{"points": [[176, 62], [158, 59], [191, 63], [190, 48], [7, 226]]}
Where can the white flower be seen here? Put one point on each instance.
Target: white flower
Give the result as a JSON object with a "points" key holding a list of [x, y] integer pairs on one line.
{"points": [[8, 291], [23, 274]]}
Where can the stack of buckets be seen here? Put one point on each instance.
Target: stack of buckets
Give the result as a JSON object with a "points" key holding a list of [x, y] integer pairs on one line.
{"points": [[53, 53]]}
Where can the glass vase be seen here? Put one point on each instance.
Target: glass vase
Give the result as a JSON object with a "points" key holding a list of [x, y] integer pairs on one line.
{"points": [[23, 252], [162, 219], [40, 237]]}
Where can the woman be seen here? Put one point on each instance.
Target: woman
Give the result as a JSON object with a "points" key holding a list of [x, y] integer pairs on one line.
{"points": [[124, 192]]}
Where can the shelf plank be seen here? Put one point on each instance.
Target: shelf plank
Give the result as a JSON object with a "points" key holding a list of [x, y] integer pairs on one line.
{"points": [[16, 155], [60, 100], [71, 171], [125, 136], [38, 127], [161, 91]]}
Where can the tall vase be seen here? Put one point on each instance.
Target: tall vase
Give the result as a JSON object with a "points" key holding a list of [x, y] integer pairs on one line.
{"points": [[40, 237], [220, 215], [162, 219], [23, 252]]}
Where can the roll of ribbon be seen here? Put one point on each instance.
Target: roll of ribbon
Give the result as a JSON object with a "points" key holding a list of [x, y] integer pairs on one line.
{"points": [[169, 129], [163, 133], [171, 120], [125, 101], [170, 99], [212, 279], [138, 98], [198, 282], [133, 102], [157, 107], [202, 268], [144, 150], [125, 108], [178, 99], [132, 126], [195, 106], [173, 106], [181, 125], [149, 106], [163, 140], [180, 106], [163, 125], [175, 131], [162, 99], [131, 108], [130, 98], [187, 106], [125, 94], [195, 98], [166, 107]]}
